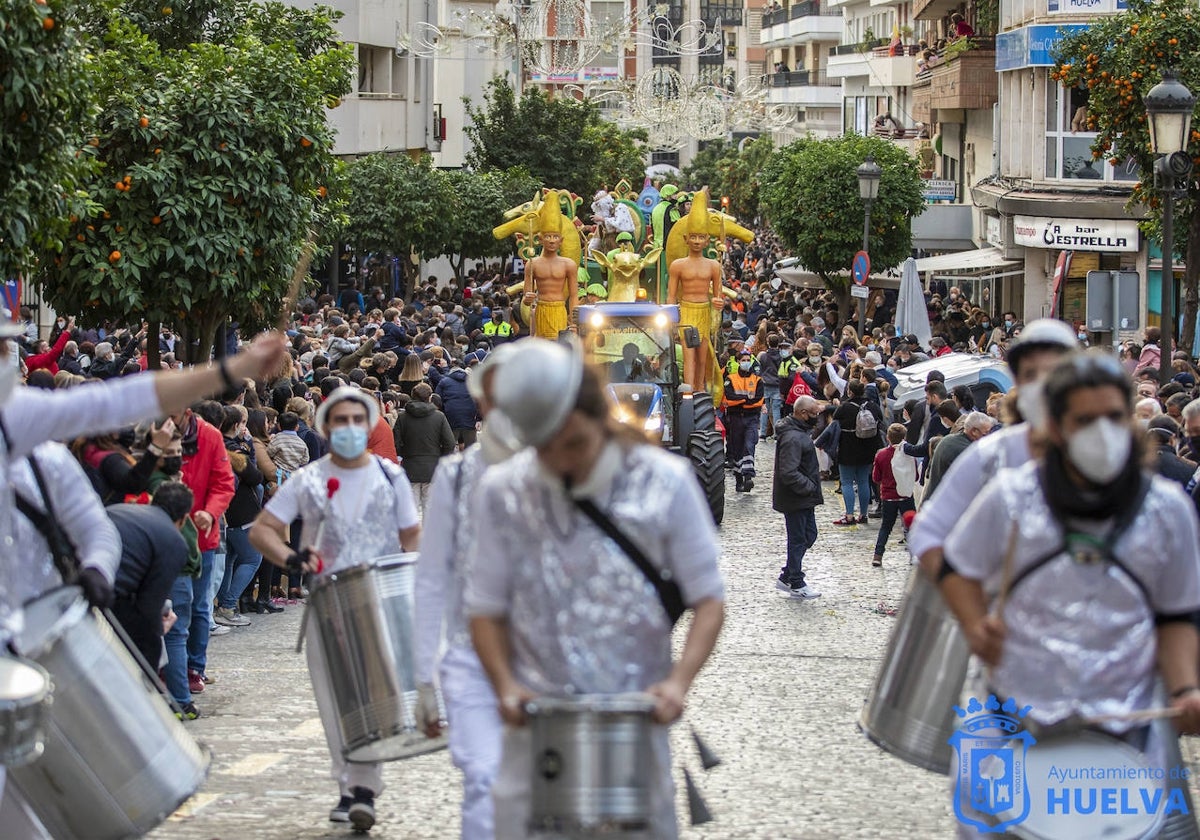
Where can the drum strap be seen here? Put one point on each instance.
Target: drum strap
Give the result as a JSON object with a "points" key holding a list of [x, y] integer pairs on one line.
{"points": [[62, 550], [669, 593]]}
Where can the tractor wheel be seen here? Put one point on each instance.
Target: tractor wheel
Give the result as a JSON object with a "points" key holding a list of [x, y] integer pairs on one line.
{"points": [[704, 416], [706, 451]]}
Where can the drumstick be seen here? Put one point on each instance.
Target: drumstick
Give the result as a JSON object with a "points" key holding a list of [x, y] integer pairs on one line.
{"points": [[1006, 571], [331, 487], [298, 275], [1143, 714]]}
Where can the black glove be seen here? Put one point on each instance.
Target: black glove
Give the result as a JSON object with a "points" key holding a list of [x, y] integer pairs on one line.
{"points": [[297, 559], [97, 590]]}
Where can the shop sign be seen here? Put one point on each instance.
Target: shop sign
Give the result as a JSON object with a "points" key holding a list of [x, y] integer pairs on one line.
{"points": [[1114, 235]]}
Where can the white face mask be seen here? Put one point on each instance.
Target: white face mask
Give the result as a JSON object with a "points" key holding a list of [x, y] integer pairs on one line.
{"points": [[1100, 450], [1031, 403]]}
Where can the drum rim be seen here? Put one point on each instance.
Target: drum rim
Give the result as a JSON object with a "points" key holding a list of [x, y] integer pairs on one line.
{"points": [[41, 673], [385, 561], [75, 608], [624, 703]]}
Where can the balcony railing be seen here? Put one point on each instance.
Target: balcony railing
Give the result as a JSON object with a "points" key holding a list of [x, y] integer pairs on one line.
{"points": [[802, 78], [774, 18], [728, 14], [808, 8], [717, 57]]}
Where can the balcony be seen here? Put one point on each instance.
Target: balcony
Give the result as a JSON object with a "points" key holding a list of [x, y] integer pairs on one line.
{"points": [[967, 81], [803, 23], [807, 88], [884, 66], [728, 14]]}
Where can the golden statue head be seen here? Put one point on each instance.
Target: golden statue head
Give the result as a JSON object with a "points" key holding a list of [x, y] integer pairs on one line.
{"points": [[697, 217], [550, 215]]}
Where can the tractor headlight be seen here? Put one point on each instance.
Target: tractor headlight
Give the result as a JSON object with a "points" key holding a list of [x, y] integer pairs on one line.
{"points": [[654, 422], [660, 320], [597, 320]]}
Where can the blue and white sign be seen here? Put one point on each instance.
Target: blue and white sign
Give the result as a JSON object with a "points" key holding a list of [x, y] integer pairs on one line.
{"points": [[1032, 46], [1086, 7], [860, 267], [936, 189]]}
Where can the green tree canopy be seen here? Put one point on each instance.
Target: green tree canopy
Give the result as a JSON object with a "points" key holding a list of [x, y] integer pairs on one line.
{"points": [[212, 164], [810, 195], [1118, 60], [44, 105], [479, 200], [563, 143], [728, 171]]}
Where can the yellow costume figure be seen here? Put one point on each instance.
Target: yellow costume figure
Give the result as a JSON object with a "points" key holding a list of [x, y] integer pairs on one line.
{"points": [[695, 313], [550, 278]]}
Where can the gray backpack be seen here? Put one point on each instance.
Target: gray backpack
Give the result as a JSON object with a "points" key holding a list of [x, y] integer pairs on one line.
{"points": [[865, 424]]}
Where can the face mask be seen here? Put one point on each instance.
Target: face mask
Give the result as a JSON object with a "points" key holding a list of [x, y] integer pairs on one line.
{"points": [[1082, 336], [348, 441], [785, 354], [1031, 403], [1100, 450], [172, 465], [744, 367], [1007, 324], [986, 325]]}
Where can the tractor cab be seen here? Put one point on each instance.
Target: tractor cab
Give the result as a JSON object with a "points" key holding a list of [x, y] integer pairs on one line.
{"points": [[637, 346]]}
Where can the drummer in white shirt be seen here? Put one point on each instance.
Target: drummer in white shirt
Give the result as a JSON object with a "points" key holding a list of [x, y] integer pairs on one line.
{"points": [[370, 515]]}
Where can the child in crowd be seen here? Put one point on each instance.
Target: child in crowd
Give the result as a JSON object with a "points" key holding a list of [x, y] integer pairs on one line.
{"points": [[895, 473]]}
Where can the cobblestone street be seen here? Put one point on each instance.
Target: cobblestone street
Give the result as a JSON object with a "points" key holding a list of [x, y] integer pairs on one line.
{"points": [[778, 702]]}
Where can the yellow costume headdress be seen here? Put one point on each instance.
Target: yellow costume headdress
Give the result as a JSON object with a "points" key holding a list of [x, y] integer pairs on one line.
{"points": [[550, 216], [697, 217]]}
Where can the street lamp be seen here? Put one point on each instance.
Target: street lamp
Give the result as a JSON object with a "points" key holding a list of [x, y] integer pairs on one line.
{"points": [[869, 173], [1169, 105]]}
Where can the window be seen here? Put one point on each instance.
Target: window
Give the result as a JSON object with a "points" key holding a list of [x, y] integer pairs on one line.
{"points": [[381, 72], [1069, 143]]}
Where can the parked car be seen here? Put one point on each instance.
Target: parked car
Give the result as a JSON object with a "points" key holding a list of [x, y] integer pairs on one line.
{"points": [[982, 374]]}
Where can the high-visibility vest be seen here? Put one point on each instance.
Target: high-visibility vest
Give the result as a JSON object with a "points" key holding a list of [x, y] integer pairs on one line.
{"points": [[744, 389], [503, 329]]}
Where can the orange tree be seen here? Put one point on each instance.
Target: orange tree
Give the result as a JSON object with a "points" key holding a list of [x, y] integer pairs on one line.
{"points": [[44, 99], [212, 162], [1118, 59]]}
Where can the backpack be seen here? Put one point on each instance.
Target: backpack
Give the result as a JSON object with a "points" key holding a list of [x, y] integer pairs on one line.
{"points": [[904, 470], [865, 424]]}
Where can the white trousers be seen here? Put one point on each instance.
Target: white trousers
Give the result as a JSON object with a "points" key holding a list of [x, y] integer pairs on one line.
{"points": [[17, 821], [513, 790], [347, 774], [475, 732]]}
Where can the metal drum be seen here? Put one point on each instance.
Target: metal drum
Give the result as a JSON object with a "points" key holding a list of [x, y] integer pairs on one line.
{"points": [[909, 712], [24, 700], [117, 761], [364, 621], [592, 763]]}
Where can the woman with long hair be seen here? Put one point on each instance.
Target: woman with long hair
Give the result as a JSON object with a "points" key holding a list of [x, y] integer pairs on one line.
{"points": [[411, 375]]}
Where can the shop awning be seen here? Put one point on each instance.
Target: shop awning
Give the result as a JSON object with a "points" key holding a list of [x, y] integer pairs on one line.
{"points": [[977, 260]]}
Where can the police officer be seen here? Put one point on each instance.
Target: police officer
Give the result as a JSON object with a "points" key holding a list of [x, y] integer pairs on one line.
{"points": [[743, 409], [498, 329]]}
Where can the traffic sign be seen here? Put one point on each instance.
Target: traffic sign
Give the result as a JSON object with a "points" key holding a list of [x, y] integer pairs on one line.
{"points": [[860, 292], [861, 268]]}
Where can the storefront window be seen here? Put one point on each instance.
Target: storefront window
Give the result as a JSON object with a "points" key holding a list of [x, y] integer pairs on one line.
{"points": [[1069, 143]]}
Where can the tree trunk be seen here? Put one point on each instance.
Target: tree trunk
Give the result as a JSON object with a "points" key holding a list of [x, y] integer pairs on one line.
{"points": [[843, 301], [1191, 285], [458, 267], [153, 357]]}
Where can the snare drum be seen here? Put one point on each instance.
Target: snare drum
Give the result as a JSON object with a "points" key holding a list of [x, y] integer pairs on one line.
{"points": [[364, 621], [24, 699], [592, 763], [1135, 799]]}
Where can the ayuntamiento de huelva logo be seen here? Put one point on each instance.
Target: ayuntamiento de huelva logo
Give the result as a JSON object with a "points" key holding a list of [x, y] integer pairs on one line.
{"points": [[1075, 782]]}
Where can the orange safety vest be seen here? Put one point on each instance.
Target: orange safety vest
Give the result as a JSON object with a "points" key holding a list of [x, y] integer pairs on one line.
{"points": [[745, 387]]}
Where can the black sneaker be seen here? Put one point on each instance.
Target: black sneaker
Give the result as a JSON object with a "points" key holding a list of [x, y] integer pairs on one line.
{"points": [[188, 711], [362, 809], [738, 482], [748, 485], [341, 811]]}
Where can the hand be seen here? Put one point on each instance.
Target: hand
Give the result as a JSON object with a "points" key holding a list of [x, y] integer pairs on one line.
{"points": [[261, 359], [529, 299], [1188, 722], [986, 638], [164, 434], [203, 520], [305, 561], [70, 322], [669, 696], [429, 716], [168, 621], [718, 303], [96, 589], [512, 704]]}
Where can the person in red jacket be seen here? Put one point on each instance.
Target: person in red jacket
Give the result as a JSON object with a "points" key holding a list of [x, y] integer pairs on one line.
{"points": [[894, 483], [48, 359], [208, 474]]}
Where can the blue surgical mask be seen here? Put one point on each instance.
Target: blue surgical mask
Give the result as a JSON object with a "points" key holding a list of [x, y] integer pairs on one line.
{"points": [[348, 441]]}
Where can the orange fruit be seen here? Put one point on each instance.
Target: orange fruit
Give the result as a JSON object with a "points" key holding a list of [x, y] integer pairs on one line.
{"points": [[80, 237], [114, 256], [95, 141], [144, 122], [120, 229], [158, 151], [321, 191], [48, 23], [127, 179], [157, 220], [305, 142]]}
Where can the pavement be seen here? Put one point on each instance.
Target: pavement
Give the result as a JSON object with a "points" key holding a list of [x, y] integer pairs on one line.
{"points": [[778, 702]]}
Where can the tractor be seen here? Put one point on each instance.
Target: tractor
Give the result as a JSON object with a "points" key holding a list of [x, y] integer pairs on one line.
{"points": [[637, 345]]}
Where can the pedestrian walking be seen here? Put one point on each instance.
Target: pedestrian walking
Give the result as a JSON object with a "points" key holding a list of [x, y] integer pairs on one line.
{"points": [[796, 492], [743, 407], [372, 515], [895, 473], [859, 419], [422, 436]]}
